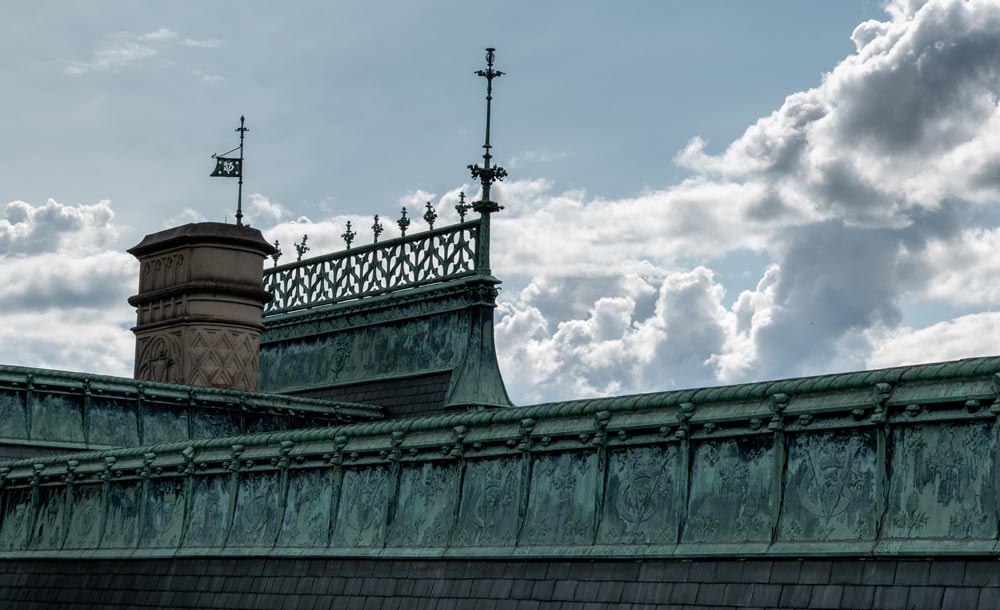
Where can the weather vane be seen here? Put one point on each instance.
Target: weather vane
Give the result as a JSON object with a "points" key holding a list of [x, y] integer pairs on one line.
{"points": [[488, 174], [232, 167]]}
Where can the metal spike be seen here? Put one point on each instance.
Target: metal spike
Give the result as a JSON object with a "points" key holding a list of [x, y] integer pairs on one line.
{"points": [[376, 228]]}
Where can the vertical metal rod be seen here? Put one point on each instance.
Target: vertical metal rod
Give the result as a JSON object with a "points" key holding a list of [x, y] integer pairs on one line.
{"points": [[239, 196]]}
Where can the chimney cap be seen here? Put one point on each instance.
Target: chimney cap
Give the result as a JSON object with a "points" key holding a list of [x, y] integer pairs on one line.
{"points": [[203, 232]]}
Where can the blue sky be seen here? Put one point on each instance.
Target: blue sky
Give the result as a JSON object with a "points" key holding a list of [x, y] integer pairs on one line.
{"points": [[699, 192]]}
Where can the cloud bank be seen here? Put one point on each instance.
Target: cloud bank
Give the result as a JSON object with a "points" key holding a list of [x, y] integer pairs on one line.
{"points": [[877, 188]]}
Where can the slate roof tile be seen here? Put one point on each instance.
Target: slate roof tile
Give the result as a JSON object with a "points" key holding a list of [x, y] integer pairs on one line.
{"points": [[795, 596], [960, 598], [949, 573], [890, 597]]}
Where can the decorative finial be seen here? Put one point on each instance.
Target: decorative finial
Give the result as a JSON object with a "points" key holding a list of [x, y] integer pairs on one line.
{"points": [[430, 215], [348, 235], [488, 174], [461, 207], [377, 228], [403, 222], [302, 248], [277, 253]]}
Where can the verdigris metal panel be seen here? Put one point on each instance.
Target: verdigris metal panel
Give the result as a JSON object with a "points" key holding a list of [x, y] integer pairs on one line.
{"points": [[16, 520], [122, 517], [206, 525], [164, 515], [264, 422], [562, 497], [639, 504], [57, 417], [425, 512], [12, 418], [112, 422], [361, 513], [255, 522], [164, 424], [830, 487], [436, 342], [208, 423], [489, 503], [48, 530], [942, 481], [730, 499], [85, 518], [307, 510]]}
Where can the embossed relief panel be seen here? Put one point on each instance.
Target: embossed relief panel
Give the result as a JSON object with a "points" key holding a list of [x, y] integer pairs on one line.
{"points": [[209, 504], [639, 503], [57, 417], [17, 515], [164, 517], [48, 530], [85, 517], [163, 424], [158, 356], [12, 420], [941, 481], [307, 511], [112, 422], [122, 520], [730, 498], [256, 519], [830, 487], [489, 503], [361, 514], [426, 509], [423, 344], [209, 423], [561, 506]]}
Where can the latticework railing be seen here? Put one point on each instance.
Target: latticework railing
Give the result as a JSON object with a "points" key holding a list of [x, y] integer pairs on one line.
{"points": [[406, 262]]}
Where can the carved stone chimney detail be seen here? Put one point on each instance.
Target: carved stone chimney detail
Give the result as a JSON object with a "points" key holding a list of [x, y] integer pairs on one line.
{"points": [[199, 305]]}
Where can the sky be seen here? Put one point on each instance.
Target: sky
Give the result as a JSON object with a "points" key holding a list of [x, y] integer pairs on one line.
{"points": [[699, 193]]}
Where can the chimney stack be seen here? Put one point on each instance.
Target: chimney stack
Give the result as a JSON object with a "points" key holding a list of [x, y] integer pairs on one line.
{"points": [[199, 305]]}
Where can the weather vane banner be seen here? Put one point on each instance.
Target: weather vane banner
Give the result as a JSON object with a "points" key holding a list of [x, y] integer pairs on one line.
{"points": [[227, 167]]}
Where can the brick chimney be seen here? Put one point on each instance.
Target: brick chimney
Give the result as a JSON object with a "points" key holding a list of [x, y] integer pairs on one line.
{"points": [[199, 305]]}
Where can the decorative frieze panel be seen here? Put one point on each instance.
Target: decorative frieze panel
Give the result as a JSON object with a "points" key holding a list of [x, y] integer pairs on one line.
{"points": [[256, 519], [830, 486], [361, 516], [636, 477], [163, 520], [307, 511], [85, 518], [562, 499], [491, 491], [731, 490], [639, 503], [425, 513], [209, 513], [943, 483]]}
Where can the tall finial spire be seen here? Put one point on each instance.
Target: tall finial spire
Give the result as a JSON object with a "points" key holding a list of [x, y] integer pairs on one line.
{"points": [[488, 174]]}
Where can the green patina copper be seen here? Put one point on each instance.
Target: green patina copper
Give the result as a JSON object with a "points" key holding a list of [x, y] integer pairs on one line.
{"points": [[883, 463], [77, 411], [399, 309]]}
